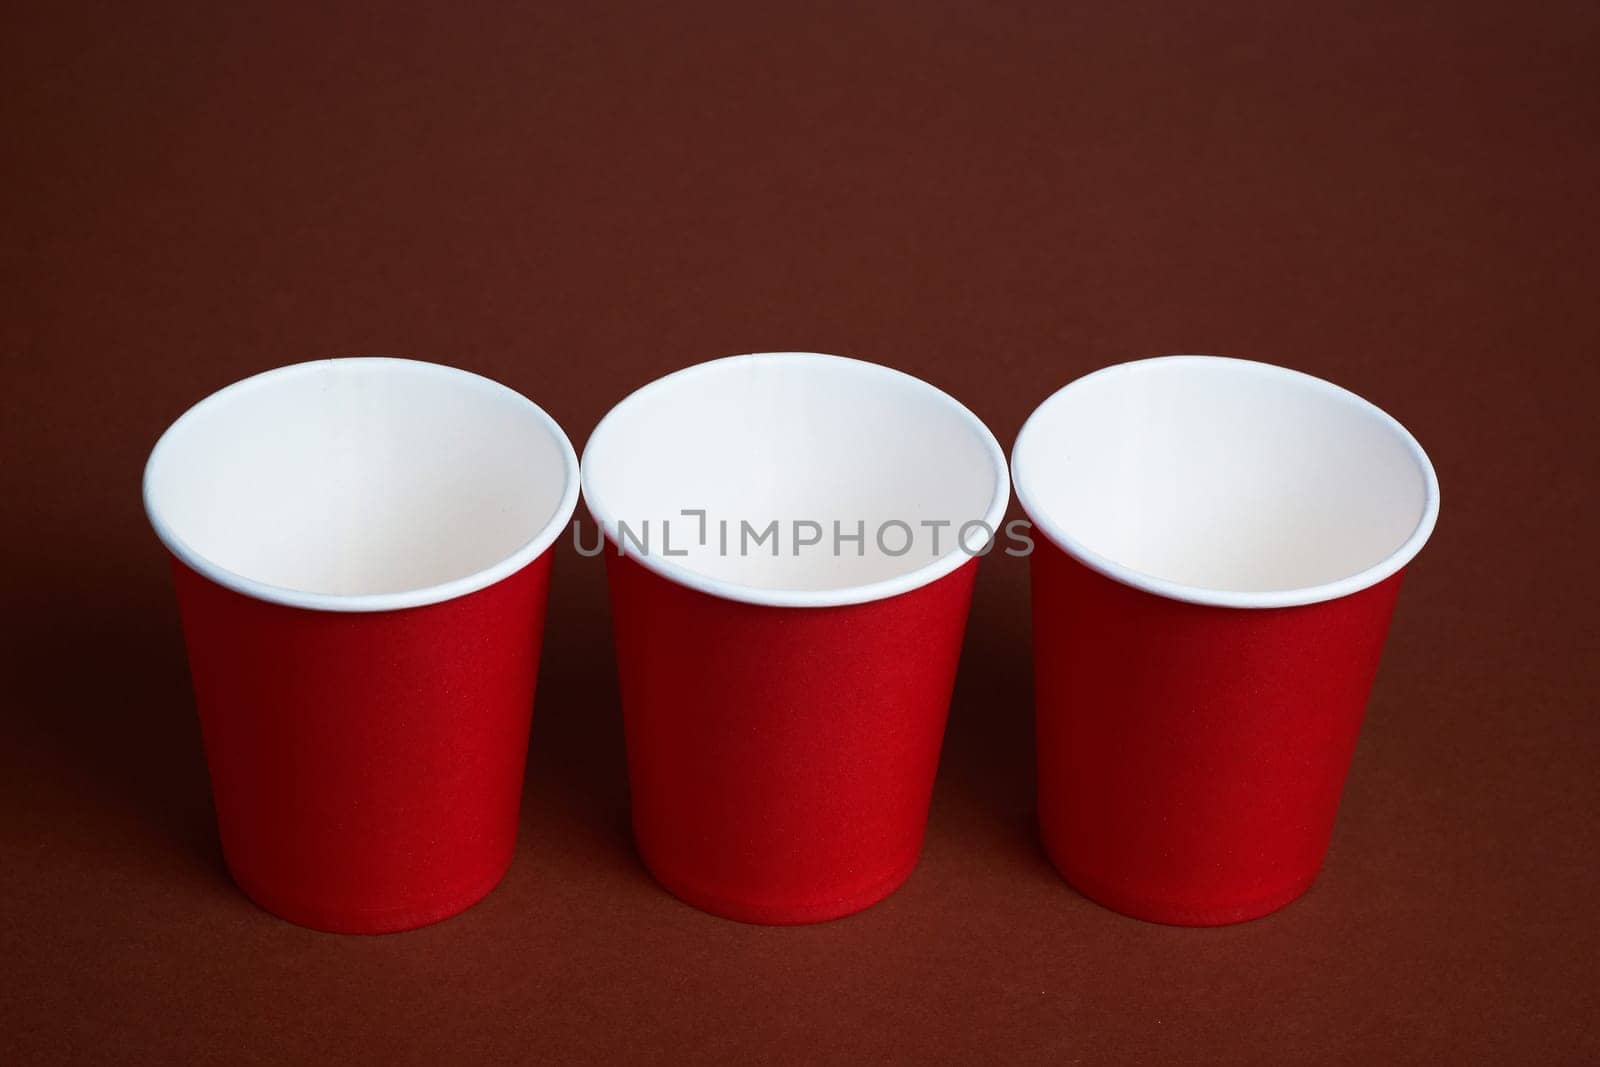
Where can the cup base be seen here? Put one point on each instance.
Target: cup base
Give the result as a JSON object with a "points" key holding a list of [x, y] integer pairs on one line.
{"points": [[783, 914], [1170, 912], [380, 921]]}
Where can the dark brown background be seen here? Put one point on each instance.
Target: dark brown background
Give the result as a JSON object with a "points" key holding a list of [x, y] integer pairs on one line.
{"points": [[996, 198]]}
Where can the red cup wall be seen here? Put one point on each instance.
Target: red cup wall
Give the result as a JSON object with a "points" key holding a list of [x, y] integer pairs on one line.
{"points": [[366, 766], [782, 759], [1191, 757]]}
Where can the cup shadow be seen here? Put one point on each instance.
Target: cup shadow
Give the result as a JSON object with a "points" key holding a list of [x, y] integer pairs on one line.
{"points": [[575, 793], [105, 716], [985, 789]]}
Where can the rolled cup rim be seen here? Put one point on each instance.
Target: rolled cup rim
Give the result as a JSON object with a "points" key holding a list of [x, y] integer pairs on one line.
{"points": [[940, 566], [435, 593], [1057, 534]]}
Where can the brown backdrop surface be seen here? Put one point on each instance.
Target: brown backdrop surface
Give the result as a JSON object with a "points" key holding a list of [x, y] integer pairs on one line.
{"points": [[997, 198]]}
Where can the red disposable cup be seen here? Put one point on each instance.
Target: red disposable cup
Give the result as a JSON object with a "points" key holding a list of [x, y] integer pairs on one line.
{"points": [[361, 549], [1222, 546], [784, 706]]}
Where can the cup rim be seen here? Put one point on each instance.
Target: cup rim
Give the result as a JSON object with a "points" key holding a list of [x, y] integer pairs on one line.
{"points": [[368, 602], [1227, 598], [935, 569]]}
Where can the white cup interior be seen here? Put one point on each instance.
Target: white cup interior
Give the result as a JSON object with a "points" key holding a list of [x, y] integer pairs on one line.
{"points": [[792, 437], [1225, 481], [361, 484]]}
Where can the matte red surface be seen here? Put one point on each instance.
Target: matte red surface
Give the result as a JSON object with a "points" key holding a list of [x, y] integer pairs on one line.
{"points": [[1191, 757], [575, 199], [782, 759], [366, 767]]}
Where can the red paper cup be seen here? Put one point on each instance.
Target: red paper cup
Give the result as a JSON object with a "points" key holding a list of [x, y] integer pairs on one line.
{"points": [[1223, 543], [784, 706], [361, 549]]}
